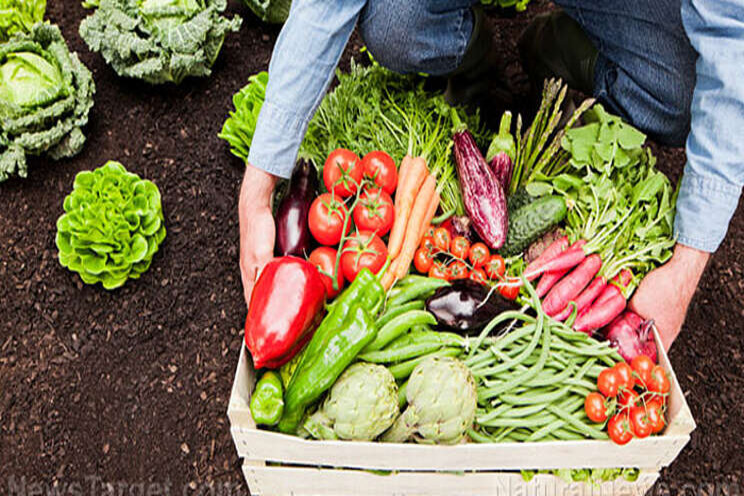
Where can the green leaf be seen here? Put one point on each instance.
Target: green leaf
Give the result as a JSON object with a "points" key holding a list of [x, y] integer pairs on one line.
{"points": [[536, 189]]}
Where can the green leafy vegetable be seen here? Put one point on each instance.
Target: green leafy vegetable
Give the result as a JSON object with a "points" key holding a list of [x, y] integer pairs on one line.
{"points": [[19, 16], [45, 96], [158, 41], [239, 127], [112, 226], [594, 476], [273, 11], [519, 5]]}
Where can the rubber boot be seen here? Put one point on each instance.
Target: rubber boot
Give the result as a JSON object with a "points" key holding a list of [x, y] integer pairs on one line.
{"points": [[555, 45]]}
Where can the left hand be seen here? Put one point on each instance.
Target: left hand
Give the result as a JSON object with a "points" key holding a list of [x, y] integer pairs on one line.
{"points": [[666, 292]]}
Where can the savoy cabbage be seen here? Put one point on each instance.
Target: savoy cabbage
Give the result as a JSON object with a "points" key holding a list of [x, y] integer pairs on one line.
{"points": [[158, 41]]}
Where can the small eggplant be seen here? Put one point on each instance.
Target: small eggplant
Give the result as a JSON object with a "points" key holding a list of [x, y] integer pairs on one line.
{"points": [[466, 306], [460, 226], [502, 152], [292, 232]]}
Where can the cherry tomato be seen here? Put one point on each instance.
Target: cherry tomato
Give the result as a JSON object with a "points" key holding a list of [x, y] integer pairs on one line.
{"points": [[427, 243], [595, 408], [458, 270], [478, 276], [639, 422], [363, 249], [442, 239], [374, 212], [608, 382], [619, 430], [423, 260], [642, 366], [655, 414], [510, 290], [324, 258], [439, 271], [659, 381], [380, 167], [495, 267], [478, 255], [326, 219], [625, 371], [628, 398], [430, 231], [460, 247], [342, 172]]}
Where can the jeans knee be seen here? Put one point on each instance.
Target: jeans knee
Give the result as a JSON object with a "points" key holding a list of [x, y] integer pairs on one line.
{"points": [[671, 117]]}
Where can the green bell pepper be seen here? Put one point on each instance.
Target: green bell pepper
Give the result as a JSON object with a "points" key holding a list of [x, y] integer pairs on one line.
{"points": [[267, 401]]}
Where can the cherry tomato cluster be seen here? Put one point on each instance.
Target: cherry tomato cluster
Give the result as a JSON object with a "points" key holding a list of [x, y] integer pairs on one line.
{"points": [[443, 257], [362, 187], [633, 397]]}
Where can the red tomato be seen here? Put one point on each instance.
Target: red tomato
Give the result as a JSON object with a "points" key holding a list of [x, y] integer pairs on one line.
{"points": [[374, 212], [608, 382], [439, 271], [342, 172], [478, 276], [659, 381], [326, 219], [430, 232], [380, 167], [423, 260], [642, 366], [625, 372], [458, 270], [639, 422], [478, 254], [655, 413], [495, 267], [363, 249], [510, 290], [459, 247], [619, 430], [427, 243], [628, 398], [324, 258], [442, 239], [595, 408]]}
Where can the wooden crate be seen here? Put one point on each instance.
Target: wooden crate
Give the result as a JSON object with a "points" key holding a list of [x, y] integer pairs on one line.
{"points": [[304, 467]]}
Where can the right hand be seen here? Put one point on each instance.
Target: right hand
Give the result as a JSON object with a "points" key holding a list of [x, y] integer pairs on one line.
{"points": [[257, 230]]}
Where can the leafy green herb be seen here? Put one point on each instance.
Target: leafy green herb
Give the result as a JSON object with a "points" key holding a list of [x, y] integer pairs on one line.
{"points": [[158, 41], [19, 16], [239, 127], [45, 96], [112, 226]]}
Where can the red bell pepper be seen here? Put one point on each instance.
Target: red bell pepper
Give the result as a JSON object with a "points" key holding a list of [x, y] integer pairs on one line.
{"points": [[285, 308]]}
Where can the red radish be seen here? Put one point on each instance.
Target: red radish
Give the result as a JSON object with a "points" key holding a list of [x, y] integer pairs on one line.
{"points": [[632, 336], [572, 285], [609, 305], [552, 251], [584, 299], [565, 260], [620, 280], [548, 280]]}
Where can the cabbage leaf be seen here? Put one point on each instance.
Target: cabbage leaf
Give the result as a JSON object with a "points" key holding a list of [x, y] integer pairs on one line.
{"points": [[272, 11]]}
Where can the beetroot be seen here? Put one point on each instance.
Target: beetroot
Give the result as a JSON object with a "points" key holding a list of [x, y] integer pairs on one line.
{"points": [[632, 336]]}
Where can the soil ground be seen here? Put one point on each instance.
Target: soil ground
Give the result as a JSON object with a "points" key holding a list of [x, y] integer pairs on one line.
{"points": [[100, 388]]}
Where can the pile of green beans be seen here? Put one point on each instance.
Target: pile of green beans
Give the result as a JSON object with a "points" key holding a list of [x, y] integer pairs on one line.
{"points": [[532, 381]]}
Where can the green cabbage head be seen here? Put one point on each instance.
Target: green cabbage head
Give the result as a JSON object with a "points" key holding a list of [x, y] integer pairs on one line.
{"points": [[19, 16], [112, 226], [45, 96], [158, 41]]}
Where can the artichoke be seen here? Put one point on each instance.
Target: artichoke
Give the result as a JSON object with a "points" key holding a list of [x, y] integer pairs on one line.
{"points": [[442, 398], [361, 405]]}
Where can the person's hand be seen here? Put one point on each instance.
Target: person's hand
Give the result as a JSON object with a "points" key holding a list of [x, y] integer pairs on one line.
{"points": [[257, 231], [665, 293]]}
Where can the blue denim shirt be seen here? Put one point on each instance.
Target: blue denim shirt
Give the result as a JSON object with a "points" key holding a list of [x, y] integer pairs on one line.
{"points": [[317, 31]]}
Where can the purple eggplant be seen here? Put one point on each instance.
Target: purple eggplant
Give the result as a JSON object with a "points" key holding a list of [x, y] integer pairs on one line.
{"points": [[483, 195], [502, 152], [292, 231], [502, 167], [460, 225]]}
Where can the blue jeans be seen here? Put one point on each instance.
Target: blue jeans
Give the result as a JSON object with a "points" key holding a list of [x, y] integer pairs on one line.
{"points": [[645, 71]]}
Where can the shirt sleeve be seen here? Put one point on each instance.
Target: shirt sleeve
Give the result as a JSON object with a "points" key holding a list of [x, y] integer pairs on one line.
{"points": [[302, 66], [714, 172]]}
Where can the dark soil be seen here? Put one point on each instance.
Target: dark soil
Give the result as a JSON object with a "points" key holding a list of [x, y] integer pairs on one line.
{"points": [[132, 386]]}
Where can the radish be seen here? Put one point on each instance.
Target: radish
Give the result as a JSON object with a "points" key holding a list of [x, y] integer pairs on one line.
{"points": [[602, 312], [584, 299], [565, 260], [552, 251], [572, 285], [620, 280], [631, 336], [548, 280]]}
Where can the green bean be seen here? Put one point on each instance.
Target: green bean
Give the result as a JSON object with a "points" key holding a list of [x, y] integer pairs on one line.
{"points": [[417, 289], [510, 337], [578, 424], [479, 437], [566, 435], [392, 312], [403, 353], [533, 399], [402, 398], [521, 357], [546, 378], [397, 326], [517, 435], [403, 370], [545, 430], [584, 351]]}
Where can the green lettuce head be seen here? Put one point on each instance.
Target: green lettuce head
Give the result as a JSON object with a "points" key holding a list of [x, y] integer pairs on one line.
{"points": [[46, 94], [112, 226], [158, 41], [19, 16]]}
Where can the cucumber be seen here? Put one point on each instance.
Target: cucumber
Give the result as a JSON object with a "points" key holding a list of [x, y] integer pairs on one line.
{"points": [[518, 199], [528, 222]]}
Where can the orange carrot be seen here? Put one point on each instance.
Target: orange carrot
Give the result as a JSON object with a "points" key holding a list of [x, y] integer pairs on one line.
{"points": [[405, 198], [416, 225]]}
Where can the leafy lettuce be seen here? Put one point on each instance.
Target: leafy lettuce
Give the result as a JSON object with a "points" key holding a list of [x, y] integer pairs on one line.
{"points": [[19, 16], [112, 226], [239, 127], [158, 41], [273, 11], [45, 96]]}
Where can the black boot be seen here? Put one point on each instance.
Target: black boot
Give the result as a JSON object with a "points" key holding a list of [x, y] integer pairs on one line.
{"points": [[555, 45]]}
